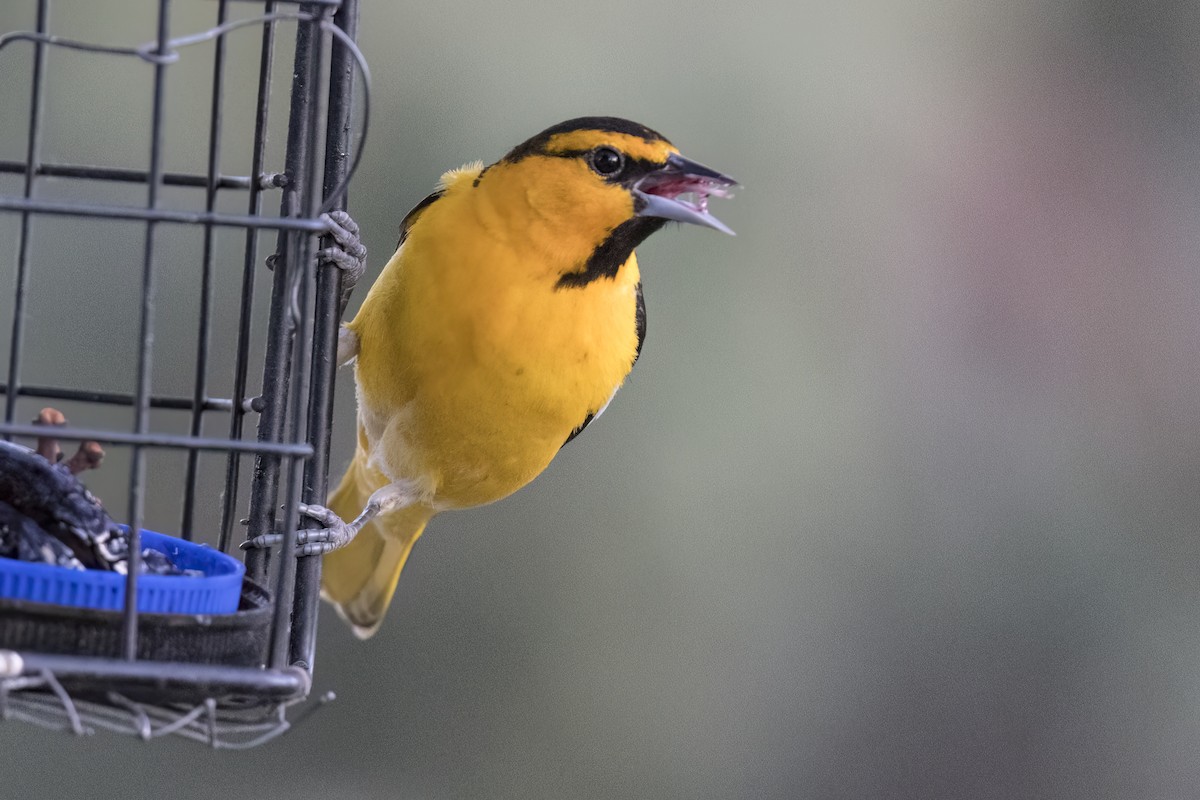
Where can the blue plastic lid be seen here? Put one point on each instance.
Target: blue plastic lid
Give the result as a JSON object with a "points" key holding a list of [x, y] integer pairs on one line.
{"points": [[216, 592]]}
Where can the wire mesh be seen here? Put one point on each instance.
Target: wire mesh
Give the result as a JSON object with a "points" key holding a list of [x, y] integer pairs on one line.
{"points": [[291, 332]]}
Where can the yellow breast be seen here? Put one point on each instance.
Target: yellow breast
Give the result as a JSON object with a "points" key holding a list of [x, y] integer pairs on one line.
{"points": [[474, 366]]}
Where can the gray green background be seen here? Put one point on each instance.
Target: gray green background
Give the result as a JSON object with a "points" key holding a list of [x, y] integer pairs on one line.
{"points": [[901, 500]]}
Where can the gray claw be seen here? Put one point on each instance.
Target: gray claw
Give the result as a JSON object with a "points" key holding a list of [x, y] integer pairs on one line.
{"points": [[321, 514], [314, 542], [315, 549], [347, 253], [352, 266], [342, 220], [344, 232], [262, 541]]}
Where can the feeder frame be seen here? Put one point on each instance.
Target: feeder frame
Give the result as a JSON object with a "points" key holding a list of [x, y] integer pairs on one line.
{"points": [[224, 706]]}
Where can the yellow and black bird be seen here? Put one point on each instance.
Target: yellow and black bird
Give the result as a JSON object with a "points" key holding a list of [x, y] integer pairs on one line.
{"points": [[506, 320]]}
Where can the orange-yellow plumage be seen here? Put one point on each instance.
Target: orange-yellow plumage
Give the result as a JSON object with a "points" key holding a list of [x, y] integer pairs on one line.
{"points": [[505, 321]]}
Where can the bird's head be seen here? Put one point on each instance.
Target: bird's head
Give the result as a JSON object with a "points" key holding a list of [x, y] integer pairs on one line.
{"points": [[594, 188]]}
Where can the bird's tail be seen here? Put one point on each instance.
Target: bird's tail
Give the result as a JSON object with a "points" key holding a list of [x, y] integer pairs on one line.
{"points": [[360, 578]]}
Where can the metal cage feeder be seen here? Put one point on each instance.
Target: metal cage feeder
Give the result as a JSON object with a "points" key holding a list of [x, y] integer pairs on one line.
{"points": [[226, 680]]}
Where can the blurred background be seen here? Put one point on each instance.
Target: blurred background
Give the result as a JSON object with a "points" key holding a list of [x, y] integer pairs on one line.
{"points": [[901, 499]]}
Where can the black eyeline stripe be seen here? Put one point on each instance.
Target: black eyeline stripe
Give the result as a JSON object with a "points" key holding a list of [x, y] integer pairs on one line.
{"points": [[606, 260], [634, 169]]}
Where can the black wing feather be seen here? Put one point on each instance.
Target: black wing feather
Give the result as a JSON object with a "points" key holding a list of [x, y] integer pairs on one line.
{"points": [[411, 217], [640, 321]]}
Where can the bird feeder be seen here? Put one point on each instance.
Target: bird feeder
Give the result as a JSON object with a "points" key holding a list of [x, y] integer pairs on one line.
{"points": [[256, 414]]}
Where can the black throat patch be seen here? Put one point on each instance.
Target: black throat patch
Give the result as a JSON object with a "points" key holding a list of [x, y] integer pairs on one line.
{"points": [[606, 260]]}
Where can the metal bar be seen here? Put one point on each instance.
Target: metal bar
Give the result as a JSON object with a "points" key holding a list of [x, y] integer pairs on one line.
{"points": [[249, 269], [333, 3], [264, 497], [31, 156], [122, 175], [178, 680], [158, 215], [178, 441], [121, 399], [325, 332], [303, 268], [141, 409], [200, 390]]}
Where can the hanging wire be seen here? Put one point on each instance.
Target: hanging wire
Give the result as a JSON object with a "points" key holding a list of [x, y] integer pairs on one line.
{"points": [[147, 52]]}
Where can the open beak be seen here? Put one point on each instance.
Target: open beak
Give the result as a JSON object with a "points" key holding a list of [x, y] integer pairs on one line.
{"points": [[661, 193]]}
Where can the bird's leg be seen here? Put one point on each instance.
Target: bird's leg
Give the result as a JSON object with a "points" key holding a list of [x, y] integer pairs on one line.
{"points": [[347, 253], [337, 532], [347, 346]]}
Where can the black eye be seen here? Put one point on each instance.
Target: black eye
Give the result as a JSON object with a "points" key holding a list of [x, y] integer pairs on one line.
{"points": [[607, 161]]}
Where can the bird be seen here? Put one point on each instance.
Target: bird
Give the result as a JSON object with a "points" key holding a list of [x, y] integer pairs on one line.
{"points": [[508, 317]]}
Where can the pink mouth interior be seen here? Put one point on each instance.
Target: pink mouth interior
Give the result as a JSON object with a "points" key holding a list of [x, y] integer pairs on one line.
{"points": [[700, 189]]}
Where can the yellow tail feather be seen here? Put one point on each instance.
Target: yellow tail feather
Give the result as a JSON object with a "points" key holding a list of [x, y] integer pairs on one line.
{"points": [[360, 578]]}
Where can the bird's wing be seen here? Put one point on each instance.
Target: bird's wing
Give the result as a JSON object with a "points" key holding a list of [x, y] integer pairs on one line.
{"points": [[411, 217], [640, 321]]}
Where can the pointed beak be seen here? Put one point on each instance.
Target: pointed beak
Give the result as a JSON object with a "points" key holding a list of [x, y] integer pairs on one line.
{"points": [[662, 192]]}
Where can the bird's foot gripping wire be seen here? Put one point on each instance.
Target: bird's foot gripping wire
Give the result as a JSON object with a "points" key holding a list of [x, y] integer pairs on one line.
{"points": [[347, 253], [318, 541]]}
